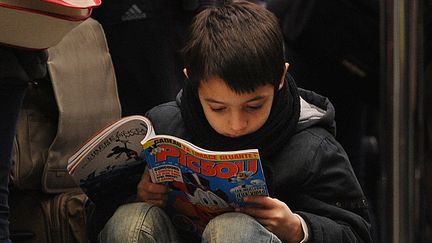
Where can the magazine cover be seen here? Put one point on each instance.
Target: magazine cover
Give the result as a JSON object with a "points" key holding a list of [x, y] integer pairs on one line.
{"points": [[203, 183], [109, 165]]}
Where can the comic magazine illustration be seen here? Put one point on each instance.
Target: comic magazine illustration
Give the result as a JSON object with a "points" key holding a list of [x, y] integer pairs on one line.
{"points": [[109, 165], [203, 183]]}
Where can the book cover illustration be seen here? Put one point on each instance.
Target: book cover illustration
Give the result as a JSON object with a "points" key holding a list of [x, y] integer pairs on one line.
{"points": [[203, 183], [109, 165]]}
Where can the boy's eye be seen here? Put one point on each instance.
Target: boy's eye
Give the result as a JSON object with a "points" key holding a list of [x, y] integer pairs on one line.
{"points": [[254, 107], [217, 109]]}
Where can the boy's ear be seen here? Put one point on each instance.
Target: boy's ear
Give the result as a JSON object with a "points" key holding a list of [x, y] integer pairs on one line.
{"points": [[185, 72], [282, 80]]}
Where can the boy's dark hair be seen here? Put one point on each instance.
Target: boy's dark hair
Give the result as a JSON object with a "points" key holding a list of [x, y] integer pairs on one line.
{"points": [[239, 42]]}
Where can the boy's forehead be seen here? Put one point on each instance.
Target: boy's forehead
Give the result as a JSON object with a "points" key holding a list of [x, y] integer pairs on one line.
{"points": [[216, 89], [216, 81]]}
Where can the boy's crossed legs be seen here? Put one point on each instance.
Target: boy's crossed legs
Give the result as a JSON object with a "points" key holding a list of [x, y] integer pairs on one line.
{"points": [[144, 222]]}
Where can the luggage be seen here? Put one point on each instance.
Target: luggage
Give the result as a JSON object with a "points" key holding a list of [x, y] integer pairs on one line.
{"points": [[49, 218], [61, 111]]}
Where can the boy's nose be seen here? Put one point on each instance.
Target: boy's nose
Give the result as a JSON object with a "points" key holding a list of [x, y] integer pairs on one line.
{"points": [[237, 124]]}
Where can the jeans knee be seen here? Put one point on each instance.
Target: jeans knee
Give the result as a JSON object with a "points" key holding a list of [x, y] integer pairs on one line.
{"points": [[126, 222], [231, 221], [138, 222], [236, 227], [227, 224]]}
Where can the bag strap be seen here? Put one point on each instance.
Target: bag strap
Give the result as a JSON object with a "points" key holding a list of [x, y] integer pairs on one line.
{"points": [[85, 89]]}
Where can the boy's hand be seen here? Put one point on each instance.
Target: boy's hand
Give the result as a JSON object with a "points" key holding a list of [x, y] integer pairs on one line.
{"points": [[150, 192], [276, 216]]}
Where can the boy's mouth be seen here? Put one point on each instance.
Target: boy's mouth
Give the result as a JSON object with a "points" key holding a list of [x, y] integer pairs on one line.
{"points": [[233, 135]]}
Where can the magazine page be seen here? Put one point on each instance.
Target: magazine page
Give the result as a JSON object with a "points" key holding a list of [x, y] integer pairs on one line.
{"points": [[203, 183], [110, 161]]}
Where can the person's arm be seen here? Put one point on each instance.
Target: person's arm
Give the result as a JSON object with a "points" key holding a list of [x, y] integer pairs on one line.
{"points": [[333, 204], [275, 216]]}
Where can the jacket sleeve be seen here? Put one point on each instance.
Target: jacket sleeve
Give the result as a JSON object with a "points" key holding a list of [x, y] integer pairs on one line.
{"points": [[314, 177], [334, 205]]}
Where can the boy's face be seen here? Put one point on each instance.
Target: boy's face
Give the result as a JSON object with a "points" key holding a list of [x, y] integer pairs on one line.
{"points": [[232, 114]]}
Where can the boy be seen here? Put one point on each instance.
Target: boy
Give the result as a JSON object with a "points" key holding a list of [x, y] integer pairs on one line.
{"points": [[238, 95]]}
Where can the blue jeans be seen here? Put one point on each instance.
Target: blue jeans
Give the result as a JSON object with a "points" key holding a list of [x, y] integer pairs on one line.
{"points": [[143, 222]]}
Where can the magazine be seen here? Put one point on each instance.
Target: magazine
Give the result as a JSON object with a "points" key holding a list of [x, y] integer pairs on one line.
{"points": [[109, 165], [203, 183]]}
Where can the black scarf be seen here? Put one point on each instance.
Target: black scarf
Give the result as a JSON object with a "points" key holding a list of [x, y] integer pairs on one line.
{"points": [[271, 137]]}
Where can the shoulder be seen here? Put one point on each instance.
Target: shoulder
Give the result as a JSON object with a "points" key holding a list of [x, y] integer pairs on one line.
{"points": [[169, 108], [308, 143], [166, 119], [309, 154], [312, 136], [303, 146]]}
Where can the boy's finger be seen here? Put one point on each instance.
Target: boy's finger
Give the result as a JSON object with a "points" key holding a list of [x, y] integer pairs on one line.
{"points": [[156, 196], [144, 195], [262, 201], [255, 212], [146, 174], [157, 188], [159, 203]]}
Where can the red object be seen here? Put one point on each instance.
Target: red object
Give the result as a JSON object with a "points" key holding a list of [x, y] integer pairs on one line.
{"points": [[40, 24]]}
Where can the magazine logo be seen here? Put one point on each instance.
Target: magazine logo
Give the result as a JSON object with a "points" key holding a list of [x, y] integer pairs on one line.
{"points": [[223, 170]]}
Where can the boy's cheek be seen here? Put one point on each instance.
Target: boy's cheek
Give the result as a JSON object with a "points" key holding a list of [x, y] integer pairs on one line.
{"points": [[217, 123]]}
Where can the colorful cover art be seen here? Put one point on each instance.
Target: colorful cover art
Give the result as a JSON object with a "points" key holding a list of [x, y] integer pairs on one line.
{"points": [[203, 183]]}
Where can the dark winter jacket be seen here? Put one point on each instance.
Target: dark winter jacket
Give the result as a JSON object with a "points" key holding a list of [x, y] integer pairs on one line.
{"points": [[311, 174]]}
